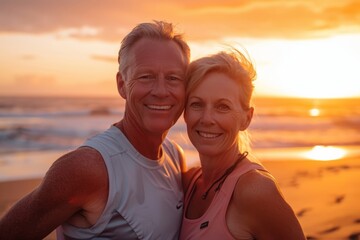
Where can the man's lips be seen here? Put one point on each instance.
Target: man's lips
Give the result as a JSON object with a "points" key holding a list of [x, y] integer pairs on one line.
{"points": [[158, 107]]}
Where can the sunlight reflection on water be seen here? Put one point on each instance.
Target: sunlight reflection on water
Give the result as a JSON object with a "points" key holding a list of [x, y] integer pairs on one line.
{"points": [[314, 112], [325, 153]]}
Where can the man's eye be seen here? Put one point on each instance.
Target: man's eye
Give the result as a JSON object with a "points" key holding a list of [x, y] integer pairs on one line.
{"points": [[146, 77]]}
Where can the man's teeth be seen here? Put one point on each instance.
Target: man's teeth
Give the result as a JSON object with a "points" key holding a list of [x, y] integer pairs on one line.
{"points": [[158, 107], [208, 135]]}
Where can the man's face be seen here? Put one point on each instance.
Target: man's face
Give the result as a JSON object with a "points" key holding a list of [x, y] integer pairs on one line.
{"points": [[154, 87]]}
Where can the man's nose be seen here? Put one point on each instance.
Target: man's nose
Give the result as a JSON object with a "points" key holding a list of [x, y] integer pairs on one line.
{"points": [[160, 88]]}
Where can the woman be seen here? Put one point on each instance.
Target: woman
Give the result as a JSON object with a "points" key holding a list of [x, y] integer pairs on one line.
{"points": [[229, 197]]}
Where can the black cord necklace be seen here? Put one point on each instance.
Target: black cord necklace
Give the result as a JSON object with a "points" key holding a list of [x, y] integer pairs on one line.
{"points": [[221, 179]]}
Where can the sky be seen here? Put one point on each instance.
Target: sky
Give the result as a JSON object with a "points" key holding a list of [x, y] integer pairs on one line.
{"points": [[308, 48]]}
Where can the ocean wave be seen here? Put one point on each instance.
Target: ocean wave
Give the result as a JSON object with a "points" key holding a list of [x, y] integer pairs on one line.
{"points": [[78, 113], [55, 123], [353, 123]]}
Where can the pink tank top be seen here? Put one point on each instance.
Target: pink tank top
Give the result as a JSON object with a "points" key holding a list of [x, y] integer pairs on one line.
{"points": [[212, 224]]}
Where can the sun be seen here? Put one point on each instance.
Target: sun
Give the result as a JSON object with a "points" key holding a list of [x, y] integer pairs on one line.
{"points": [[325, 68]]}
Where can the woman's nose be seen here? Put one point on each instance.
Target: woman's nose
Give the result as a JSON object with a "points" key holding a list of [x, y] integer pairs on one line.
{"points": [[207, 117]]}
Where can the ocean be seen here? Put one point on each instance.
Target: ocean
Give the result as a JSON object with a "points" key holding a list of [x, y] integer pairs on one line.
{"points": [[35, 131]]}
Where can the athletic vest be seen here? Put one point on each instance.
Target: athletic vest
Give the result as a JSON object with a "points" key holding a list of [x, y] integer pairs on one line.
{"points": [[145, 196]]}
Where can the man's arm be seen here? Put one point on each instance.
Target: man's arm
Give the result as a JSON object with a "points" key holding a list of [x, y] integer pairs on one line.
{"points": [[70, 185]]}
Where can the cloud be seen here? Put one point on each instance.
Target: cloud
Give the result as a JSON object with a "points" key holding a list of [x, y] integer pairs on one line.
{"points": [[31, 84], [34, 80], [204, 19], [104, 58], [46, 85], [27, 57], [273, 19]]}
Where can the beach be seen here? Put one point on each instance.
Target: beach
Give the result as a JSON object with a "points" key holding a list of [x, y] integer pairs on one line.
{"points": [[324, 194]]}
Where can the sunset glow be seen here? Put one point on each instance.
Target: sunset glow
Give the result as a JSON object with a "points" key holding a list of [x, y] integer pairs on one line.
{"points": [[306, 49], [314, 112]]}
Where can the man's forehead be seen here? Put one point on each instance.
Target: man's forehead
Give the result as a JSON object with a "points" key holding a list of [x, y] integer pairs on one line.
{"points": [[150, 50]]}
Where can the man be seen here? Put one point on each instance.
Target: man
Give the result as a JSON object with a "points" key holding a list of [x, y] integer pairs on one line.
{"points": [[124, 183]]}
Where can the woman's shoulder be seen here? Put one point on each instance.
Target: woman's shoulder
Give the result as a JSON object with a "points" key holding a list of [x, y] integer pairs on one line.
{"points": [[255, 186]]}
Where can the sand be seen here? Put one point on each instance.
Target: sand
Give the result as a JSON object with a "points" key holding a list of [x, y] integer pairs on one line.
{"points": [[325, 195]]}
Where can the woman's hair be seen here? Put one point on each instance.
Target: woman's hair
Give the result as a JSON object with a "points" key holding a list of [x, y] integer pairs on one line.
{"points": [[235, 65], [156, 30]]}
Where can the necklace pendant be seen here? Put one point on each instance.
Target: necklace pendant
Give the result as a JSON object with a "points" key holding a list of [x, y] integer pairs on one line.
{"points": [[222, 179], [203, 197]]}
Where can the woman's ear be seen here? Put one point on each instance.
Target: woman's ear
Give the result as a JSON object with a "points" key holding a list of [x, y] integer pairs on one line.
{"points": [[249, 115], [121, 86]]}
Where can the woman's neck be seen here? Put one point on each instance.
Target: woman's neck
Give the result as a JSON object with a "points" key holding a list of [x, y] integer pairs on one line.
{"points": [[215, 166]]}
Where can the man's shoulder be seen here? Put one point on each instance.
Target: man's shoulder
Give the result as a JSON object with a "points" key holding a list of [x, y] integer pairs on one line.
{"points": [[74, 178], [82, 165], [80, 156]]}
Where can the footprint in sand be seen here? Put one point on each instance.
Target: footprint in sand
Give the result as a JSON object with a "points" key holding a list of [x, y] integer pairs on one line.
{"points": [[336, 169], [311, 238], [330, 230], [302, 212], [339, 199], [354, 236]]}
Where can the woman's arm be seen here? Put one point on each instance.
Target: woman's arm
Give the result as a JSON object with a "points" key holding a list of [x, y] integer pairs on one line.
{"points": [[259, 208]]}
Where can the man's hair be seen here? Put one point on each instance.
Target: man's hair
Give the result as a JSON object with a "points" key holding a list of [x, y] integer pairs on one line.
{"points": [[157, 30]]}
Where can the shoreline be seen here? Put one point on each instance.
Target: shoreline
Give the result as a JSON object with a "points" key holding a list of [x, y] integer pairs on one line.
{"points": [[27, 165]]}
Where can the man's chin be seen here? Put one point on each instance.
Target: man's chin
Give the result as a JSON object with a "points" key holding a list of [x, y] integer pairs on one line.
{"points": [[159, 128]]}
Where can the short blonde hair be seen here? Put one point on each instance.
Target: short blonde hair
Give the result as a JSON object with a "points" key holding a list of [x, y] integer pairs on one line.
{"points": [[156, 30]]}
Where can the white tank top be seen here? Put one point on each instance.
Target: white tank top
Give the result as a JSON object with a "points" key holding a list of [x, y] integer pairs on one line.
{"points": [[145, 196]]}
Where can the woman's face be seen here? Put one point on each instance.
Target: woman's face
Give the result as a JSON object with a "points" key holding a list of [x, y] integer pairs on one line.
{"points": [[214, 115]]}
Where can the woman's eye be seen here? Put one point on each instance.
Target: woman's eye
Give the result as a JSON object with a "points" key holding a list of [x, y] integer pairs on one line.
{"points": [[223, 107], [195, 105], [173, 78]]}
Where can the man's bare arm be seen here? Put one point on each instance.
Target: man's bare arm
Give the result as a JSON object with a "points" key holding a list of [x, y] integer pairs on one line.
{"points": [[69, 186]]}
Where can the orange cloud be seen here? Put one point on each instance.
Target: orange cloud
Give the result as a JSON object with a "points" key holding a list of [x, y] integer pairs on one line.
{"points": [[28, 57], [30, 80], [203, 19], [104, 58]]}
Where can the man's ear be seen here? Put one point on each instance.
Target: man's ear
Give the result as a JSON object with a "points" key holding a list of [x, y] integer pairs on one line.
{"points": [[249, 116], [121, 86]]}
